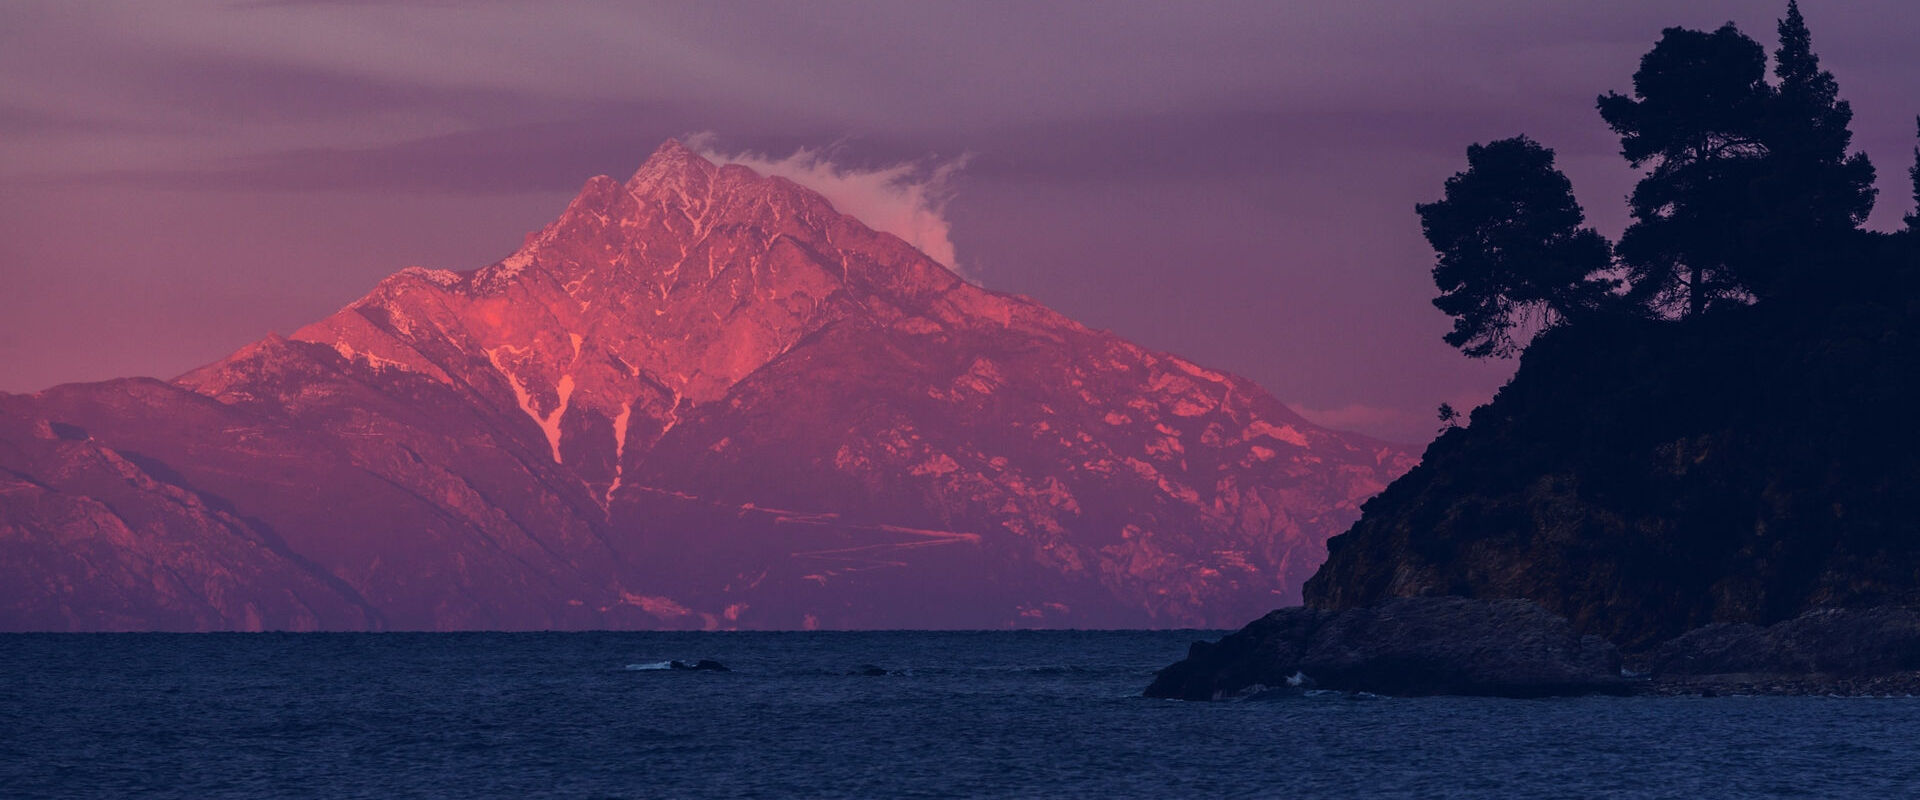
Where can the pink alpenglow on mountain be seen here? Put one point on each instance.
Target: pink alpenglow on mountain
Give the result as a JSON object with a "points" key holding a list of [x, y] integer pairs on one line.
{"points": [[701, 398]]}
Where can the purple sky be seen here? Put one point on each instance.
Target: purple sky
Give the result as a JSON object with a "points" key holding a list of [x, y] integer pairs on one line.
{"points": [[1231, 182]]}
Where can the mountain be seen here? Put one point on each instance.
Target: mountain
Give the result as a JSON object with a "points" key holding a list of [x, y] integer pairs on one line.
{"points": [[701, 398], [1644, 478]]}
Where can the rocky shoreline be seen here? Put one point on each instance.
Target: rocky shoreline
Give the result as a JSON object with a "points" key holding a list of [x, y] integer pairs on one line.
{"points": [[1427, 646], [1752, 684]]}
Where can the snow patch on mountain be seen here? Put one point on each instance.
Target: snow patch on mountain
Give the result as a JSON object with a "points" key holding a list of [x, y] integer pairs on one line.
{"points": [[550, 422]]}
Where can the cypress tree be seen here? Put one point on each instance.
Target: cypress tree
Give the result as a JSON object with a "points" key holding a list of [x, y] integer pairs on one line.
{"points": [[1913, 219], [1812, 191]]}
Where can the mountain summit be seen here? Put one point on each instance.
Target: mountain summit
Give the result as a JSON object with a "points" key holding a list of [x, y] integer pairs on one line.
{"points": [[700, 398]]}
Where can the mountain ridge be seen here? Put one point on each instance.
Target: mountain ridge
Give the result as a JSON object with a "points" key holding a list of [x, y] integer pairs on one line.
{"points": [[698, 398]]}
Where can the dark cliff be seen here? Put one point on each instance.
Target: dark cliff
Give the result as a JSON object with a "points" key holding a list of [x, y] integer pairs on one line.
{"points": [[1643, 477]]}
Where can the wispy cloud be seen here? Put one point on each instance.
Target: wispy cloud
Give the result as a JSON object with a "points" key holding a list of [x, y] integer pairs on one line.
{"points": [[908, 200]]}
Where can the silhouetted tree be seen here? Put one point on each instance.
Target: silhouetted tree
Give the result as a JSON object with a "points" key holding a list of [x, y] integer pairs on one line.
{"points": [[1812, 191], [1750, 186], [1511, 249], [1697, 117], [1913, 219], [1449, 418]]}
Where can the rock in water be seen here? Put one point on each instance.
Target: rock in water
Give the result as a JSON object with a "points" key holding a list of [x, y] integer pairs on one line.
{"points": [[1407, 647], [703, 665]]}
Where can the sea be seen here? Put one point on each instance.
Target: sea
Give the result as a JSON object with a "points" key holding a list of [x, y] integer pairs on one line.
{"points": [[870, 714]]}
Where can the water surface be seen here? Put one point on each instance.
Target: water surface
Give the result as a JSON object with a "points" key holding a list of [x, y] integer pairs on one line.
{"points": [[1003, 714]]}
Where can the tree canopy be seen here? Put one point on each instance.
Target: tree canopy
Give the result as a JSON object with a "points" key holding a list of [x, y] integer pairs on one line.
{"points": [[1749, 193], [1749, 184], [1696, 118], [1813, 192], [1511, 249]]}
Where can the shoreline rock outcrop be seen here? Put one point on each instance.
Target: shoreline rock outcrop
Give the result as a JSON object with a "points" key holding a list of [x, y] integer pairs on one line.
{"points": [[1420, 646], [1404, 647], [1851, 651]]}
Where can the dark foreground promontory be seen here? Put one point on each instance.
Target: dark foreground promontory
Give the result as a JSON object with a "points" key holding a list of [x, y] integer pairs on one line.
{"points": [[1706, 458], [1409, 646], [1514, 648]]}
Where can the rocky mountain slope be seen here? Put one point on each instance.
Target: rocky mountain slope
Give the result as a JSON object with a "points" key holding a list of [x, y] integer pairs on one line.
{"points": [[699, 398]]}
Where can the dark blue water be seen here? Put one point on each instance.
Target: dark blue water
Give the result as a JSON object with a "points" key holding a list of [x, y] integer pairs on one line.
{"points": [[969, 714]]}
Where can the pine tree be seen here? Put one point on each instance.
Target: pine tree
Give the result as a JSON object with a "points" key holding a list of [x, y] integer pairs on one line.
{"points": [[1511, 249], [1697, 122], [1750, 189]]}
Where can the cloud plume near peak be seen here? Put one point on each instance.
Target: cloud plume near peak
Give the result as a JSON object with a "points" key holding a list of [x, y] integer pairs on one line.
{"points": [[908, 199]]}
